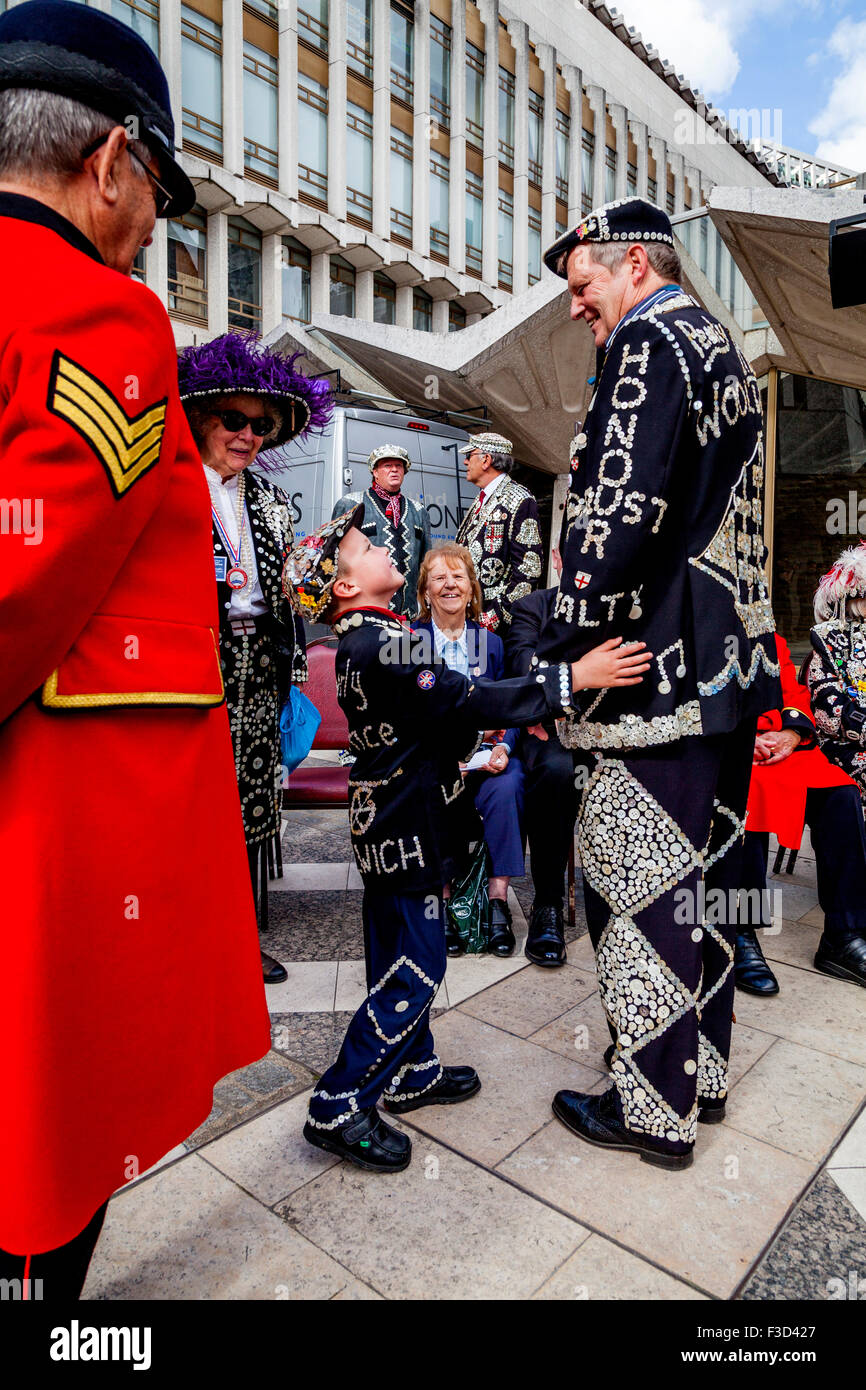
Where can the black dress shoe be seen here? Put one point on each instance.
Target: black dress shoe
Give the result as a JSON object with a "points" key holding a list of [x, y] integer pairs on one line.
{"points": [[453, 945], [272, 972], [596, 1119], [710, 1112], [844, 958], [500, 941], [365, 1140], [751, 971], [455, 1084], [545, 942]]}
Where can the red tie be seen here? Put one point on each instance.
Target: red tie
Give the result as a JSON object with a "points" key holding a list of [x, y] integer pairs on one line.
{"points": [[480, 501]]}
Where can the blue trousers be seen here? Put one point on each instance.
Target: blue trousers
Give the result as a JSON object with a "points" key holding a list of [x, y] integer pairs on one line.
{"points": [[499, 801], [388, 1048]]}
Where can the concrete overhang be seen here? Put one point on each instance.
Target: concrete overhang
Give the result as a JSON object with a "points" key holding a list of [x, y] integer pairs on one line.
{"points": [[779, 240]]}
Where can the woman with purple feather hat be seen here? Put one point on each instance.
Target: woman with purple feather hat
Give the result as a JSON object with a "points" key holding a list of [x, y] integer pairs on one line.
{"points": [[243, 403]]}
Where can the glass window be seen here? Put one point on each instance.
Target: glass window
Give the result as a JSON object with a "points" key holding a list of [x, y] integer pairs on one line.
{"points": [[402, 44], [652, 190], [312, 140], [669, 202], [534, 246], [561, 229], [631, 180], [384, 299], [138, 266], [563, 138], [474, 94], [140, 15], [401, 184], [506, 118], [187, 265], [440, 71], [587, 168], [439, 176], [201, 76], [505, 239], [296, 280], [263, 7], [359, 161], [609, 174], [422, 311], [474, 222], [456, 317], [359, 52], [536, 127], [260, 113], [245, 274], [313, 23], [342, 287]]}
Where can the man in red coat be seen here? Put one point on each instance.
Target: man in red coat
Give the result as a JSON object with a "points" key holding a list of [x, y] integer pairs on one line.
{"points": [[785, 793], [131, 979]]}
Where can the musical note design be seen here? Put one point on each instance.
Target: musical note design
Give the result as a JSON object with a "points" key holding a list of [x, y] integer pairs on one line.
{"points": [[664, 685]]}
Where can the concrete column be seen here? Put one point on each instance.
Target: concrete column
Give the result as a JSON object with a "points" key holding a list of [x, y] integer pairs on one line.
{"points": [[573, 81], [457, 190], [677, 163], [519, 34], [337, 111], [489, 10], [547, 61], [320, 283], [595, 96], [156, 261], [693, 177], [104, 5], [169, 57], [619, 117], [403, 309], [217, 273], [381, 120], [659, 152], [272, 282], [473, 318], [440, 315], [364, 295], [233, 86], [287, 98], [421, 132], [640, 135]]}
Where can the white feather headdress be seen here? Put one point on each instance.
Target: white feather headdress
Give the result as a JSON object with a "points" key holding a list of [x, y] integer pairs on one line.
{"points": [[846, 579]]}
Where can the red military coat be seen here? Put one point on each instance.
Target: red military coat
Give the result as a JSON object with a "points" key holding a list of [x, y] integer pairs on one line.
{"points": [[777, 794], [131, 979]]}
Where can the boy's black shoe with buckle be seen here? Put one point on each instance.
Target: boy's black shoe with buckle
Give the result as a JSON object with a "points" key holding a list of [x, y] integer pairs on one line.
{"points": [[365, 1140], [455, 1084]]}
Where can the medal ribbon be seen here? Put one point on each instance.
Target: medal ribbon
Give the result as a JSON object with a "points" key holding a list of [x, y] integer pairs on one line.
{"points": [[234, 553]]}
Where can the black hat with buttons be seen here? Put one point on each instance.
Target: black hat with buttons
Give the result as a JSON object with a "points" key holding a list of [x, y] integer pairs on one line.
{"points": [[628, 219]]}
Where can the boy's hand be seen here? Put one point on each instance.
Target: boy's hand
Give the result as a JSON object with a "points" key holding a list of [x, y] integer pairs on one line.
{"points": [[610, 664]]}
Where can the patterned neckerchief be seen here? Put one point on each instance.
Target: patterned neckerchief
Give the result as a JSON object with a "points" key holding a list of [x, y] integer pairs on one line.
{"points": [[392, 502]]}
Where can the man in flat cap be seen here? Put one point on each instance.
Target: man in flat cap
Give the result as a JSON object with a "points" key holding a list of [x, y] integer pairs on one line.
{"points": [[131, 978], [661, 541], [500, 531], [393, 520]]}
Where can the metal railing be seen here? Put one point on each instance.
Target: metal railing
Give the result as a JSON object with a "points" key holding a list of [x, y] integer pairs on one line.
{"points": [[315, 33], [243, 313]]}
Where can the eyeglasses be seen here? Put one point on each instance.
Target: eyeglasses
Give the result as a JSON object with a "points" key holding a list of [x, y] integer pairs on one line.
{"points": [[235, 420], [161, 195]]}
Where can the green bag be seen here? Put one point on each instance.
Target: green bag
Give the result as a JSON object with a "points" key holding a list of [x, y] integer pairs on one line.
{"points": [[468, 907]]}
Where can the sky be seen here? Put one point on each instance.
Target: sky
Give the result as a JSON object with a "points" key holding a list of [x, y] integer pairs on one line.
{"points": [[801, 63]]}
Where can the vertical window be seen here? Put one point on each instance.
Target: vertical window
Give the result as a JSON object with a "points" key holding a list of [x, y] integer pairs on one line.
{"points": [[312, 141], [474, 94], [140, 15], [402, 45], [359, 52], [561, 230], [506, 118], [296, 280], [138, 272], [245, 274], [313, 23], [456, 317], [401, 185], [260, 114], [439, 176], [652, 189], [587, 168], [534, 246], [704, 243], [384, 299], [669, 202], [359, 162], [474, 222], [440, 71], [609, 174], [263, 7], [201, 76], [342, 287], [563, 138], [422, 311], [631, 180], [505, 240], [187, 265], [536, 127]]}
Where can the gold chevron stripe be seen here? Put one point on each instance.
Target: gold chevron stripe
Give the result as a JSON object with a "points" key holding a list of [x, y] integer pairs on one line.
{"points": [[127, 446]]}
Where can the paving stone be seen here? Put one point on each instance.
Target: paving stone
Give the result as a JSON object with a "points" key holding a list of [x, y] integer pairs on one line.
{"points": [[309, 988], [316, 837], [820, 1253], [310, 1038], [852, 1182], [442, 1229], [469, 975], [268, 1075], [811, 1009], [535, 997], [581, 1034], [706, 1224], [269, 1157], [851, 1153], [304, 926], [601, 1270], [796, 899], [797, 1099], [318, 878], [356, 1292], [795, 944], [245, 1092]]}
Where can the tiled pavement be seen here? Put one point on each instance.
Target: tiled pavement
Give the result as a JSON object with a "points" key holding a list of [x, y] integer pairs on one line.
{"points": [[500, 1201]]}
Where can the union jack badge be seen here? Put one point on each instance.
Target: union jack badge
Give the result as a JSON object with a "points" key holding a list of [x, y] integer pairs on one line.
{"points": [[426, 680]]}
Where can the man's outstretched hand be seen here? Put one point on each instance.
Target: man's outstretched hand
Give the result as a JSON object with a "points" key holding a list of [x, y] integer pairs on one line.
{"points": [[611, 664]]}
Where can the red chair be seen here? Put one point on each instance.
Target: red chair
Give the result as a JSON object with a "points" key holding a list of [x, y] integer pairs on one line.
{"points": [[326, 788]]}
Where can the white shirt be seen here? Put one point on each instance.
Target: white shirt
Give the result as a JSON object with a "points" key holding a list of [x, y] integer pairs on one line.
{"points": [[250, 601], [453, 651], [491, 486]]}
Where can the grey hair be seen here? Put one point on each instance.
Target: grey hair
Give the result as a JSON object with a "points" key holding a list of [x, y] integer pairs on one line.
{"points": [[199, 411], [663, 258], [503, 463], [42, 135]]}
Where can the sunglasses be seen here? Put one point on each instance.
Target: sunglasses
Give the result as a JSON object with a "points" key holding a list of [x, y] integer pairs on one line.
{"points": [[235, 420], [161, 195]]}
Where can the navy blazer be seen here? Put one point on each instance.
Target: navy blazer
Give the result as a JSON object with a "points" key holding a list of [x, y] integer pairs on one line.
{"points": [[486, 660]]}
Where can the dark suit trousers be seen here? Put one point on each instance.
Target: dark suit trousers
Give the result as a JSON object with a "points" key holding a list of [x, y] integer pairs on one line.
{"points": [[551, 808]]}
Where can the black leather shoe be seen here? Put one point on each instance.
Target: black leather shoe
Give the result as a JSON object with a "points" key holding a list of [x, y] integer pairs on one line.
{"points": [[272, 972], [455, 1084], [545, 942], [452, 938], [751, 971], [710, 1112], [596, 1119], [367, 1141], [500, 941], [844, 959]]}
